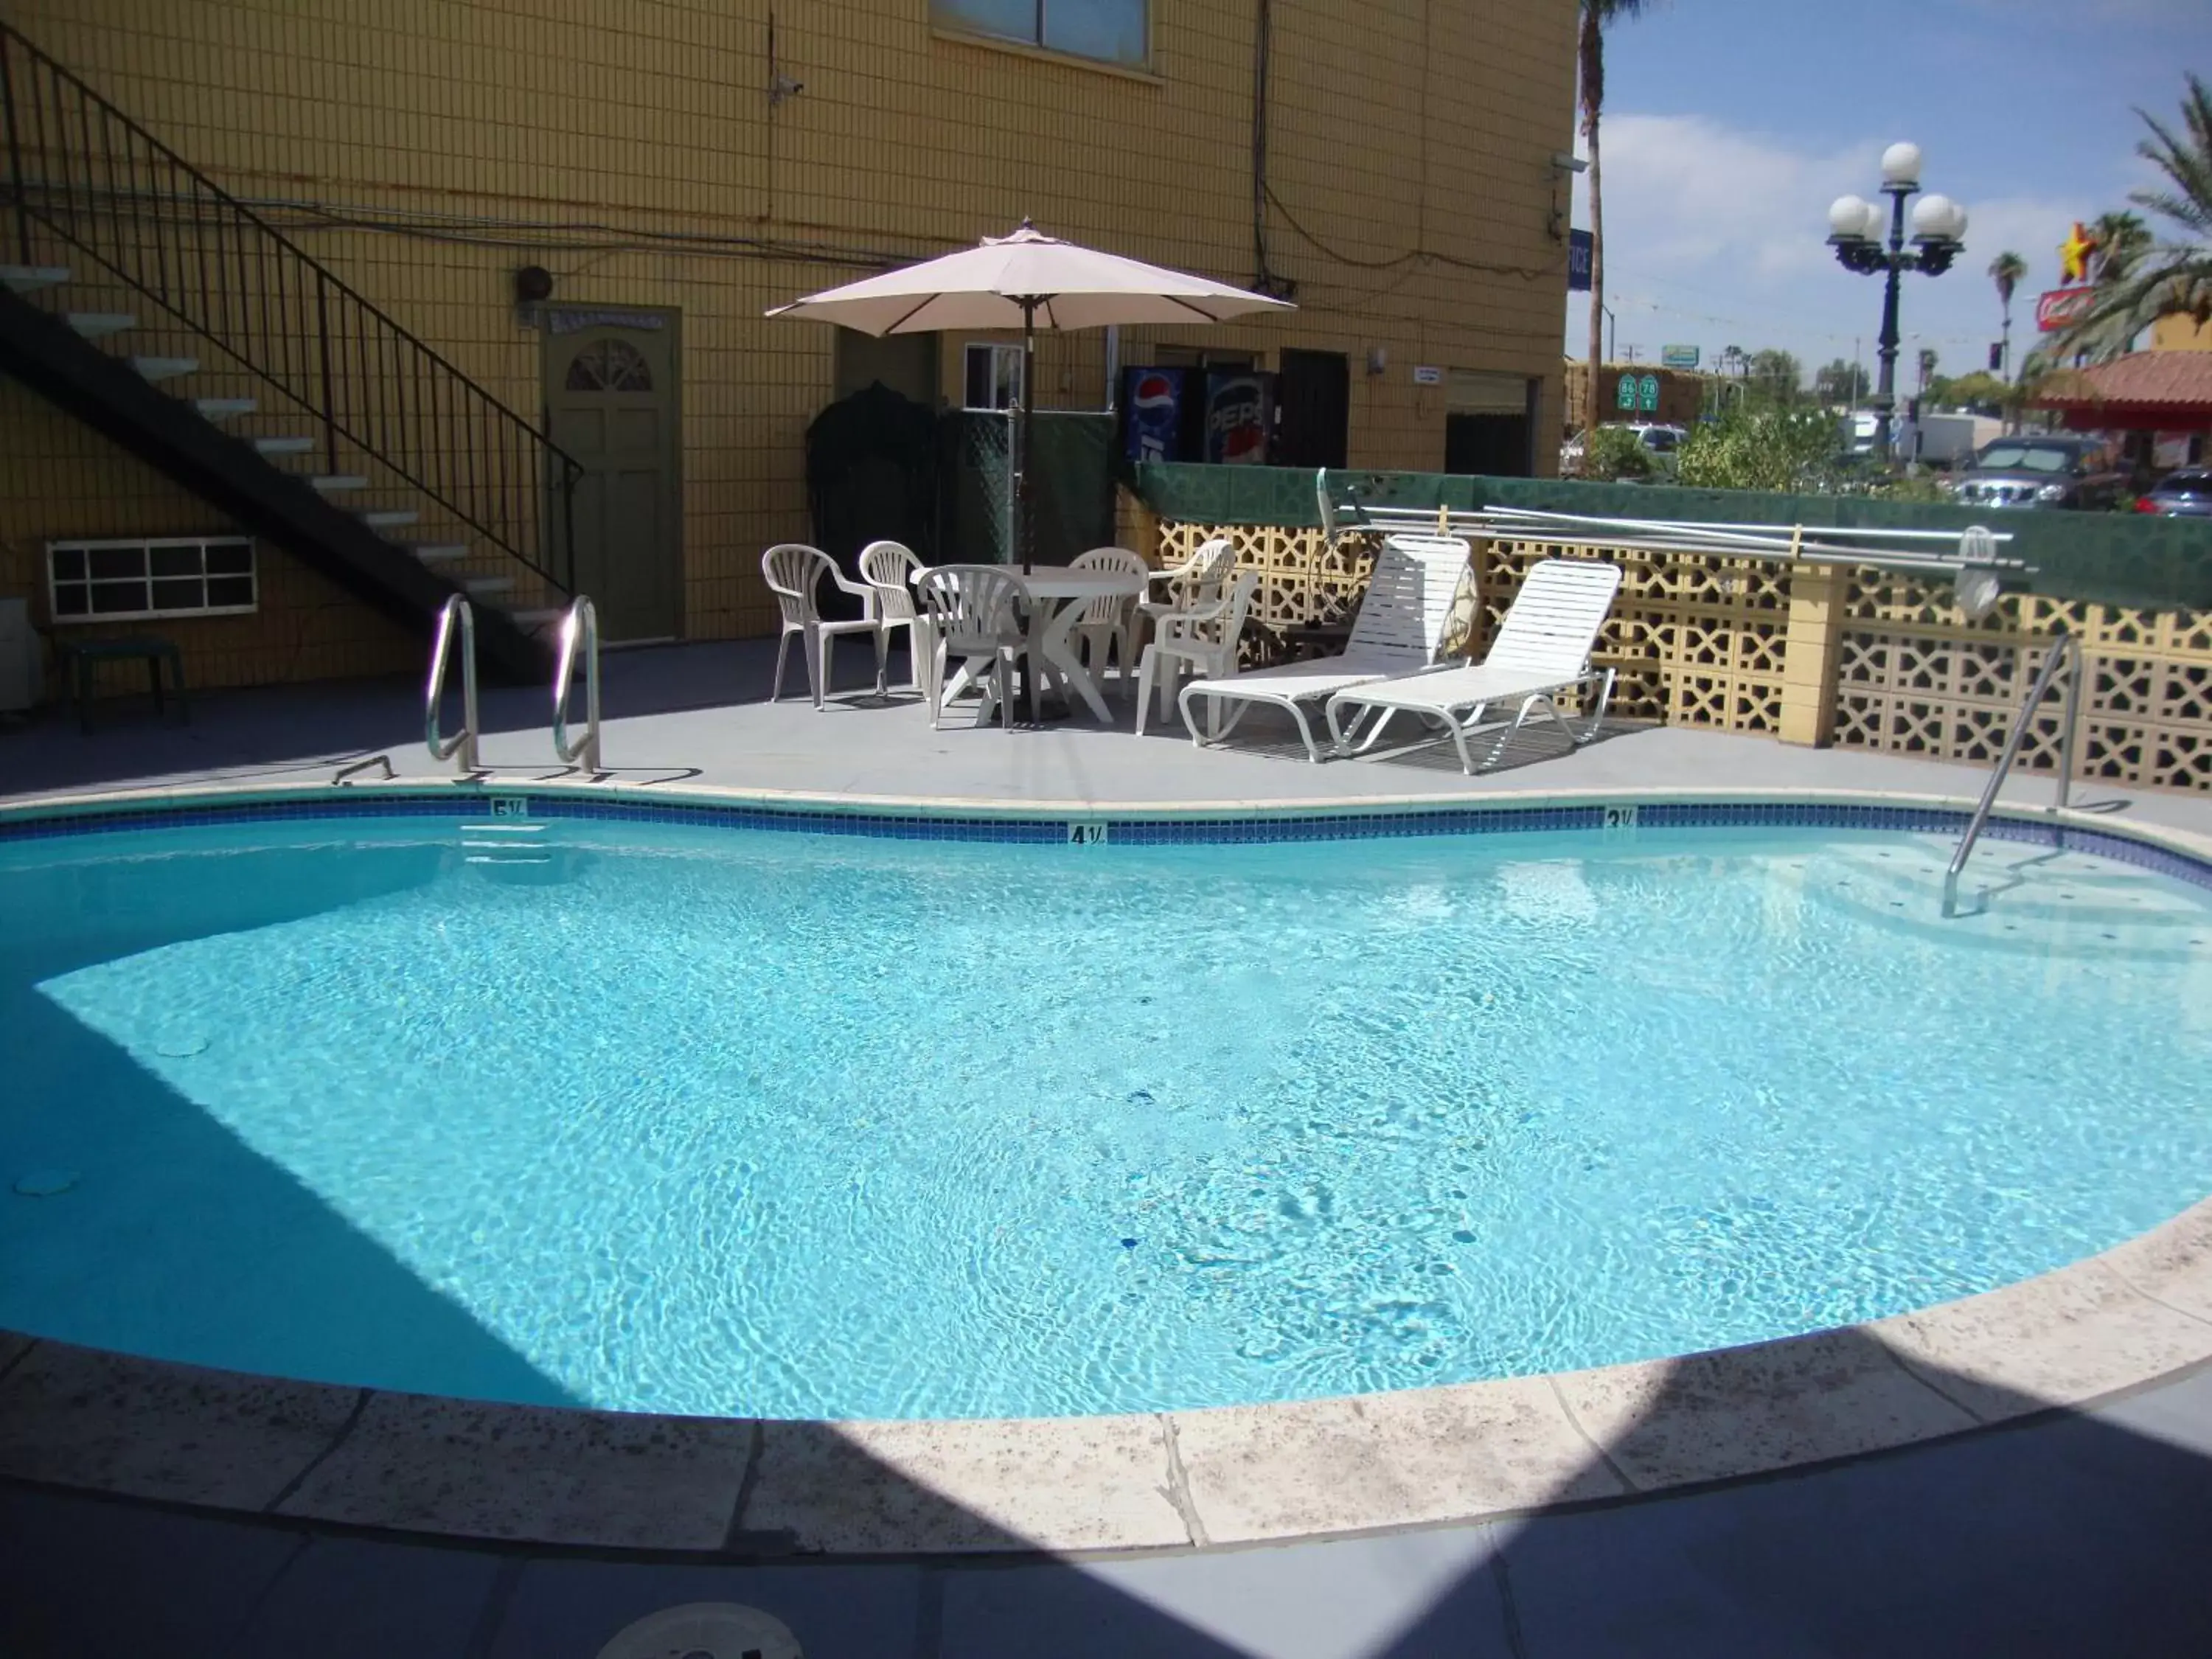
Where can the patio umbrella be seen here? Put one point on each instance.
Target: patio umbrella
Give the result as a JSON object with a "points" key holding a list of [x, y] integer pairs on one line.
{"points": [[1030, 280]]}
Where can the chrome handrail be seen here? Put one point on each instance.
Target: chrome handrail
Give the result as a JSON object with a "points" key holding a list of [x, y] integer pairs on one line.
{"points": [[2068, 649], [580, 625], [463, 743]]}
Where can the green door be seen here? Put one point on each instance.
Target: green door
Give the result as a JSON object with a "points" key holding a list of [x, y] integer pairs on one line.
{"points": [[611, 402]]}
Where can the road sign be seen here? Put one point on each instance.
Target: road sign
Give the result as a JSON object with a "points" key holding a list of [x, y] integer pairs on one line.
{"points": [[1626, 396], [1578, 261], [1647, 394], [2062, 307], [1678, 357]]}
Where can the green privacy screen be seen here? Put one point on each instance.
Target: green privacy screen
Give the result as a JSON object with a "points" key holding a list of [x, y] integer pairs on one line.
{"points": [[2109, 558]]}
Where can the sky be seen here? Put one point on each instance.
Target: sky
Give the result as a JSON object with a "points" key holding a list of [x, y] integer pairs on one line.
{"points": [[1730, 126]]}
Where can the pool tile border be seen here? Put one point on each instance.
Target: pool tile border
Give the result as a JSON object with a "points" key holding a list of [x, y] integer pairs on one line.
{"points": [[733, 1488], [1204, 824]]}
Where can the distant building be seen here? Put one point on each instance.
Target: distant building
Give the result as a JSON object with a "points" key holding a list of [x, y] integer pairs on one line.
{"points": [[1677, 396]]}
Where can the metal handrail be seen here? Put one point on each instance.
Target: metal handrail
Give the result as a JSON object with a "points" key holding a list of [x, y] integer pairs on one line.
{"points": [[580, 626], [81, 168], [2068, 649], [463, 743]]}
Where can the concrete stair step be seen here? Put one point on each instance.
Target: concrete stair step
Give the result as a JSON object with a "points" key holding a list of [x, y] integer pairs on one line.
{"points": [[165, 368], [224, 409], [23, 278], [390, 518], [483, 586], [536, 622], [332, 483], [283, 445], [440, 552], [97, 324]]}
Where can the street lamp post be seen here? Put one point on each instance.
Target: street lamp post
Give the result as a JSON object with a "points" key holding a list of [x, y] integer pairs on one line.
{"points": [[1939, 232]]}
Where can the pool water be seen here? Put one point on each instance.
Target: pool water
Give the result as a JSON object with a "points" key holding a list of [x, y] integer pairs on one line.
{"points": [[668, 1118]]}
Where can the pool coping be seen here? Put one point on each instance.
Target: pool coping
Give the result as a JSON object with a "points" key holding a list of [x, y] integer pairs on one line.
{"points": [[91, 1420]]}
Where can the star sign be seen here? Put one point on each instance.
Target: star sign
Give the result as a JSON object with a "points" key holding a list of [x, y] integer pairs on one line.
{"points": [[2073, 254]]}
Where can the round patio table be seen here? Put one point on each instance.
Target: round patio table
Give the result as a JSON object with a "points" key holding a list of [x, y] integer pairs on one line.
{"points": [[1062, 594]]}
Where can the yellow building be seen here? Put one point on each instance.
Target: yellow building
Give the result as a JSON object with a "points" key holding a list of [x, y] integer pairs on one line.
{"points": [[376, 224]]}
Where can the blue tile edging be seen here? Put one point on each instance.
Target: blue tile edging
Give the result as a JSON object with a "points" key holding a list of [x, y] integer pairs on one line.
{"points": [[1253, 828]]}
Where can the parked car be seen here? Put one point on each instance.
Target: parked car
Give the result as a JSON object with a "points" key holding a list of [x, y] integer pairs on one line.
{"points": [[2184, 494], [2042, 471], [1661, 441]]}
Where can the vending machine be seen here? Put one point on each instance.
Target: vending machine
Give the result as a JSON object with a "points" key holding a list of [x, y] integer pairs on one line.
{"points": [[1240, 413], [1153, 414]]}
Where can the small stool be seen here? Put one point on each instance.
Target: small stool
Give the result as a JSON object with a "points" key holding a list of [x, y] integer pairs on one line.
{"points": [[80, 656]]}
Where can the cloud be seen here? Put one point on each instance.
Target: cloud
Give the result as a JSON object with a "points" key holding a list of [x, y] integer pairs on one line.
{"points": [[1718, 236]]}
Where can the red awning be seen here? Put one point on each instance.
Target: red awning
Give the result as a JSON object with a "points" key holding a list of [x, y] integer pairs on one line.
{"points": [[2144, 390]]}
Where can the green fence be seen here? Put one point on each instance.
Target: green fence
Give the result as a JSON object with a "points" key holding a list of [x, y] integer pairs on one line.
{"points": [[2110, 558], [1073, 485]]}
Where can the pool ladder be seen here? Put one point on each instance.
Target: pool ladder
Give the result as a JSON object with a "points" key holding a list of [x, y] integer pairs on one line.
{"points": [[580, 630], [579, 637], [456, 618], [2067, 650]]}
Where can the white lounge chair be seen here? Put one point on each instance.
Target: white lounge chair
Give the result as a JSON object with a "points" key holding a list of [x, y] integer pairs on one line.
{"points": [[1542, 648], [1399, 630]]}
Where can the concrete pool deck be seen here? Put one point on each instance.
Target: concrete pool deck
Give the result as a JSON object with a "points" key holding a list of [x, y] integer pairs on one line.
{"points": [[1493, 1462]]}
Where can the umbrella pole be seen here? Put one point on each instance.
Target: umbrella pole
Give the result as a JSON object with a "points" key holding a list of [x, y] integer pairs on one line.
{"points": [[1024, 504]]}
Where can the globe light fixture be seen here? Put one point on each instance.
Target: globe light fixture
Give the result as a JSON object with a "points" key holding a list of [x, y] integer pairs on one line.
{"points": [[1938, 236]]}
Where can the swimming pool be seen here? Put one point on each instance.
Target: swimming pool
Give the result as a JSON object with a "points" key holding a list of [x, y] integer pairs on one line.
{"points": [[650, 1115]]}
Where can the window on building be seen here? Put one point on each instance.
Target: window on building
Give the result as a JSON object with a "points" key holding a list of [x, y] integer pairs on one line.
{"points": [[994, 378], [1112, 31], [116, 581]]}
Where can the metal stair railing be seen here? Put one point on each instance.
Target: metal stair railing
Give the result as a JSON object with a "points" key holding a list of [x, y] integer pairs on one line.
{"points": [[103, 185], [2067, 650], [579, 630], [457, 617]]}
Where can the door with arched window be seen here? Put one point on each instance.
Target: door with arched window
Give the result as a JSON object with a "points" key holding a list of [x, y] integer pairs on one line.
{"points": [[611, 402]]}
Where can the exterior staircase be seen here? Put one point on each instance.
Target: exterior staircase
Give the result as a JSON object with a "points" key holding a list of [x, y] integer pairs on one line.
{"points": [[254, 377]]}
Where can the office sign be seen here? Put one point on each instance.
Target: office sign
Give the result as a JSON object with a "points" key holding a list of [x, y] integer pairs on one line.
{"points": [[1678, 357], [1428, 374], [1578, 262]]}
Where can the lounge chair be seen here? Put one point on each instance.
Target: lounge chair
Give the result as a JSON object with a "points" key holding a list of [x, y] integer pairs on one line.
{"points": [[1543, 648], [1399, 630]]}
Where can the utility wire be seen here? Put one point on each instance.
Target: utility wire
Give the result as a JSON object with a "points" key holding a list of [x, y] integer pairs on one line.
{"points": [[1530, 273]]}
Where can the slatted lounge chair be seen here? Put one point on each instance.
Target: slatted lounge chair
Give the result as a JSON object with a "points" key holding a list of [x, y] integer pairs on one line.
{"points": [[1542, 648], [1399, 630]]}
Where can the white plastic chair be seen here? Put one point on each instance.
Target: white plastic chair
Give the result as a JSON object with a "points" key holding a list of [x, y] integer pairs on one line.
{"points": [[793, 571], [978, 615], [1201, 640], [1198, 580], [1109, 622], [890, 568]]}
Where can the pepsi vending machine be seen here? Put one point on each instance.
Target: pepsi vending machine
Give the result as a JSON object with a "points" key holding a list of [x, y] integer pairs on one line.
{"points": [[1240, 412], [1153, 414]]}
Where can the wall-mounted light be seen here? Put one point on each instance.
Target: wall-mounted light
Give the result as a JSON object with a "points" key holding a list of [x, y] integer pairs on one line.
{"points": [[1564, 168], [1378, 360]]}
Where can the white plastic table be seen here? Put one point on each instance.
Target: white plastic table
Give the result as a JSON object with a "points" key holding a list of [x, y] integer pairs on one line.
{"points": [[1063, 593]]}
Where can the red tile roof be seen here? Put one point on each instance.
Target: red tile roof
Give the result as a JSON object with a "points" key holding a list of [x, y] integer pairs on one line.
{"points": [[2171, 379]]}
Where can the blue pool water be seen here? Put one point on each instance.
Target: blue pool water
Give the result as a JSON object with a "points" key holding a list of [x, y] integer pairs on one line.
{"points": [[727, 1121]]}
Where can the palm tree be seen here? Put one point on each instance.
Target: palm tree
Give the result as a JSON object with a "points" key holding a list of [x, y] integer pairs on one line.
{"points": [[2006, 271], [2164, 277], [2122, 239], [1596, 17]]}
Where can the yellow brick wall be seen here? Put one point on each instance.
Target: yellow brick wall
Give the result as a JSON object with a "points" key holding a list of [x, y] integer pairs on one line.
{"points": [[634, 151], [60, 480]]}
